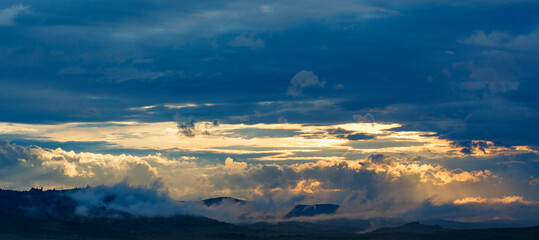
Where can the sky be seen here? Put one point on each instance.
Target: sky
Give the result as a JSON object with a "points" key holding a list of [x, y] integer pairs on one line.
{"points": [[388, 108]]}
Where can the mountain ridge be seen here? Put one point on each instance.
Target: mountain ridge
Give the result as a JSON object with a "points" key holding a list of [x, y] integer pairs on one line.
{"points": [[50, 214]]}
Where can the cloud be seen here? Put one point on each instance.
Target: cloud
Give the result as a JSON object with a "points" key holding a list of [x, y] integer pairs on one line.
{"points": [[302, 80], [500, 39], [8, 15], [137, 201], [482, 119], [35, 165], [142, 108], [266, 9], [350, 135], [475, 146], [250, 133], [192, 128], [499, 69], [364, 118], [109, 169], [504, 200], [275, 142], [161, 35], [494, 39], [495, 80], [187, 105], [243, 41], [124, 74], [345, 177], [11, 154], [231, 164], [359, 136], [477, 212], [374, 186], [151, 201], [178, 24]]}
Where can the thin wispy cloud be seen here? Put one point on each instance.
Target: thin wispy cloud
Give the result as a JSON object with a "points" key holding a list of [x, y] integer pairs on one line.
{"points": [[8, 15]]}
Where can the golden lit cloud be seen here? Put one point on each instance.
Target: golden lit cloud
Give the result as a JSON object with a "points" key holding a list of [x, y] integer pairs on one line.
{"points": [[286, 140], [504, 200]]}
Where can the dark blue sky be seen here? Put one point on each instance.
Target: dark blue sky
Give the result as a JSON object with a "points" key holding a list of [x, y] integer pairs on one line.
{"points": [[471, 67]]}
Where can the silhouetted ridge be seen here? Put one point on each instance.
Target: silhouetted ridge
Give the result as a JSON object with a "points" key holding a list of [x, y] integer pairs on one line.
{"points": [[50, 203], [312, 210], [220, 200], [37, 202], [413, 227]]}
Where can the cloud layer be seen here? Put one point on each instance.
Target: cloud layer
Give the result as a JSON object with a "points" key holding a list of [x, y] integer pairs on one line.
{"points": [[375, 186]]}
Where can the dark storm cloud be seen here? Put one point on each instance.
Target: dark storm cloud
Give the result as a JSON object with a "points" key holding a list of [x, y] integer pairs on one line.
{"points": [[453, 68]]}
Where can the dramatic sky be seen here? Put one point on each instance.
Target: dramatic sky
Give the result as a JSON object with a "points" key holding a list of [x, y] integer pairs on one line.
{"points": [[389, 108]]}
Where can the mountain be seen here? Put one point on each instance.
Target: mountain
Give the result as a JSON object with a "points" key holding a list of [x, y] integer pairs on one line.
{"points": [[312, 210], [221, 200], [356, 225], [38, 214], [37, 202], [413, 227], [426, 233], [189, 227], [476, 225]]}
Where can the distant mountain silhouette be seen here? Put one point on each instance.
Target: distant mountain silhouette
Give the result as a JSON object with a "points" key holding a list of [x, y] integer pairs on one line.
{"points": [[413, 227], [50, 214], [220, 200], [416, 231], [312, 210], [475, 225], [37, 202]]}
